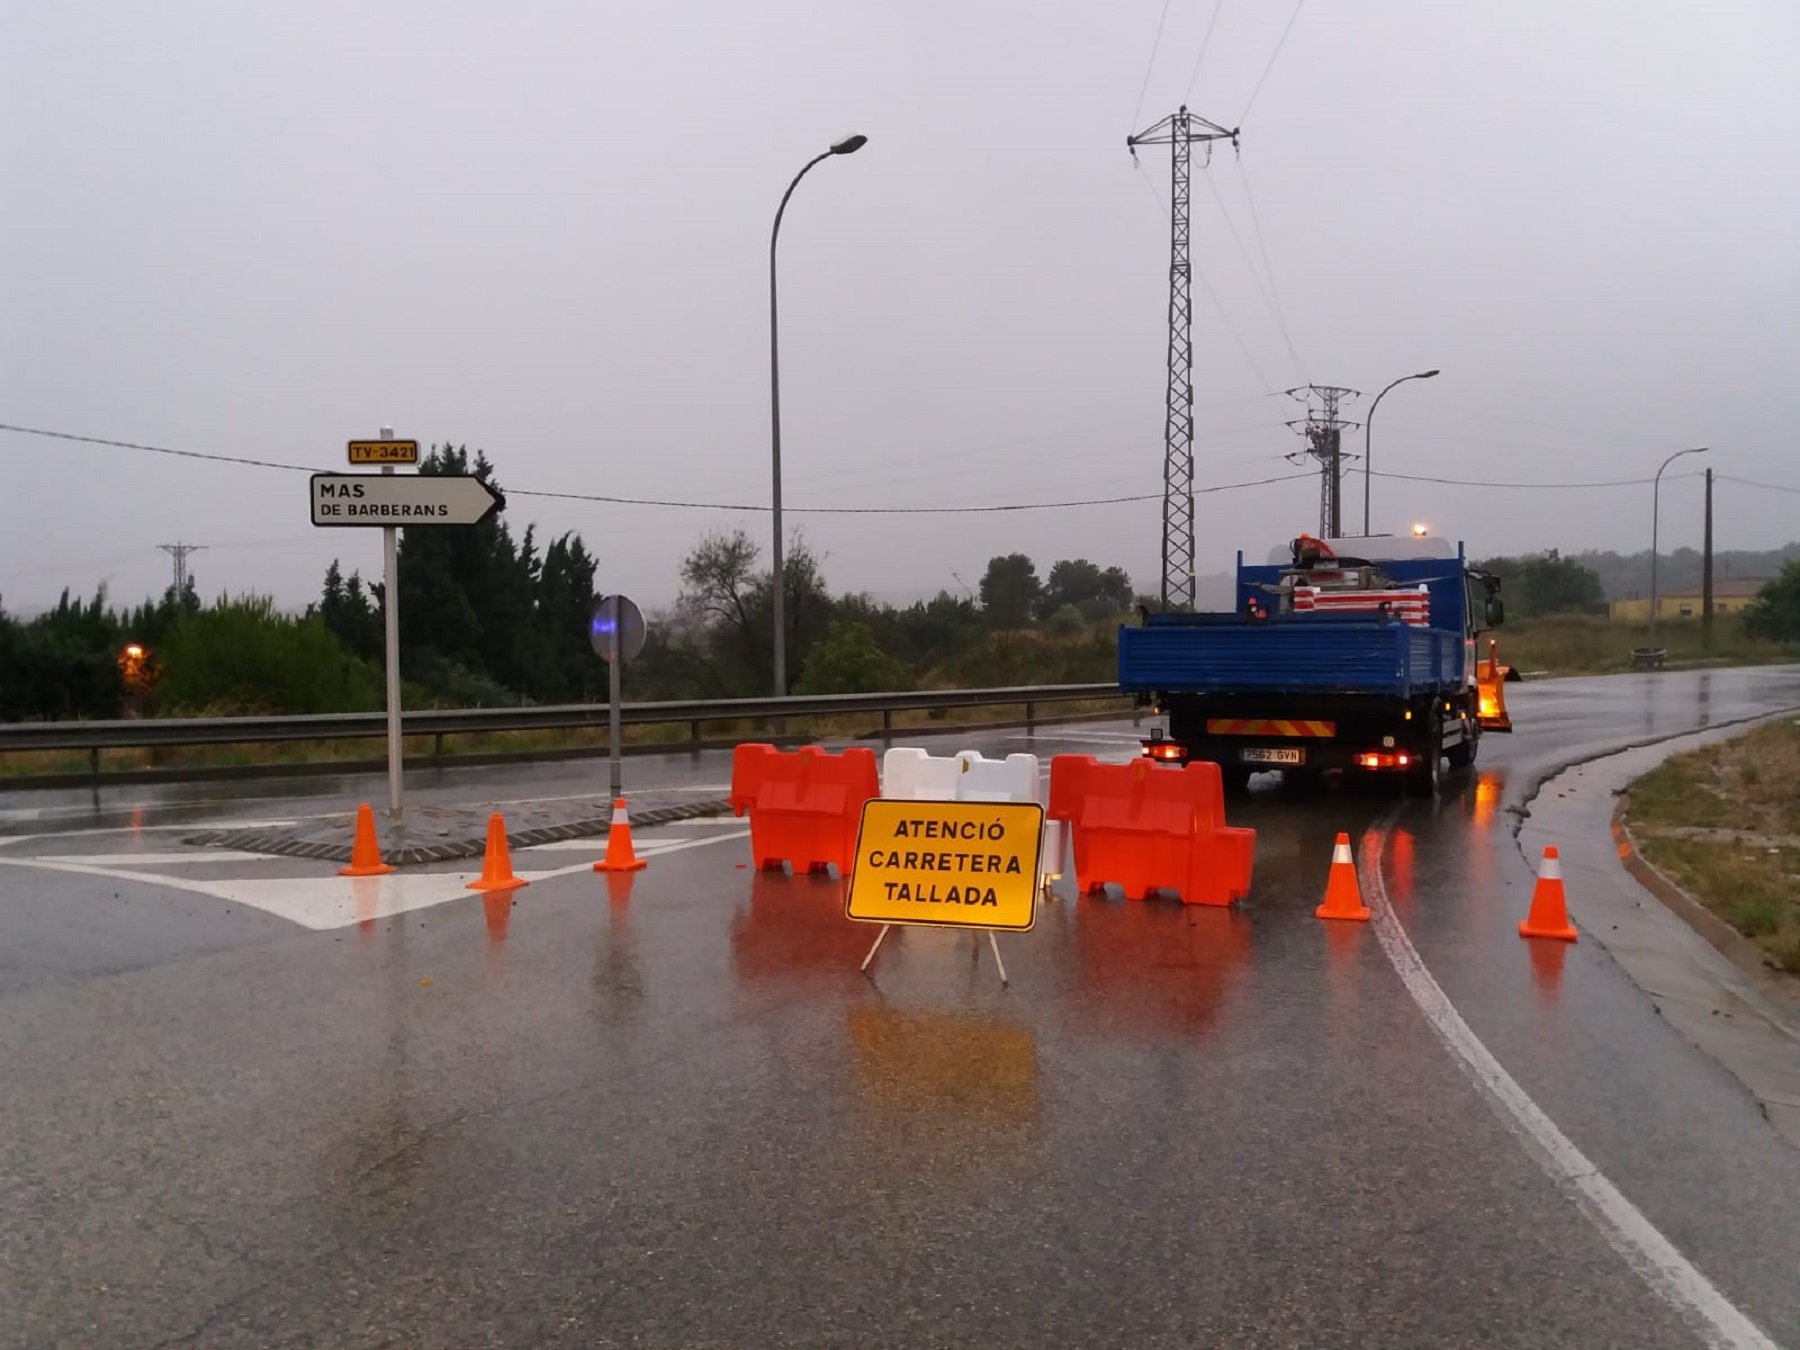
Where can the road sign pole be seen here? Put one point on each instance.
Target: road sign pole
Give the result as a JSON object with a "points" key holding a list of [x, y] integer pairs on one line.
{"points": [[614, 720], [390, 594]]}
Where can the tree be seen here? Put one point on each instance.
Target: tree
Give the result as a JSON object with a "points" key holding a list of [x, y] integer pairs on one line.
{"points": [[730, 604], [244, 656], [1547, 583], [1085, 586], [351, 614], [1775, 613], [1009, 589], [850, 661]]}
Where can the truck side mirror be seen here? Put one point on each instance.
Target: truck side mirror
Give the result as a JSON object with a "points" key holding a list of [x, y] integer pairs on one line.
{"points": [[1496, 611]]}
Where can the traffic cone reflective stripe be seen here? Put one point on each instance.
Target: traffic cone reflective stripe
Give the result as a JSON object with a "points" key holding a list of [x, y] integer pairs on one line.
{"points": [[365, 852], [496, 863], [620, 856], [1343, 895], [1549, 917]]}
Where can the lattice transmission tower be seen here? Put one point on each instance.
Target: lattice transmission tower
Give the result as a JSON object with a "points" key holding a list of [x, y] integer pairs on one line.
{"points": [[1324, 433], [1179, 131], [179, 552]]}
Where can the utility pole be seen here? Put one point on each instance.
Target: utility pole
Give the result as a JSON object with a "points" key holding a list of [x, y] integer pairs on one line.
{"points": [[179, 552], [1179, 131], [1706, 575], [1324, 433]]}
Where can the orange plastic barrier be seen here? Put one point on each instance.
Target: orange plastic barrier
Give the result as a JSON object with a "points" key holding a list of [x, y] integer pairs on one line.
{"points": [[804, 804], [1152, 827]]}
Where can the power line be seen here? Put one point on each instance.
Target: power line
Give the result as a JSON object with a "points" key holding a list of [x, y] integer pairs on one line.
{"points": [[156, 449], [918, 510], [1205, 42], [1150, 65], [675, 503], [1292, 18], [1265, 293], [1750, 482], [1470, 482], [1206, 285], [1268, 267]]}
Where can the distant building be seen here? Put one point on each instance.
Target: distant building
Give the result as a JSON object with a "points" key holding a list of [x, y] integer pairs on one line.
{"points": [[1730, 596]]}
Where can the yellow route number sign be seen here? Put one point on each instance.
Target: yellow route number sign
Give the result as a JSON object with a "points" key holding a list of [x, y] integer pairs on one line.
{"points": [[953, 864], [384, 452]]}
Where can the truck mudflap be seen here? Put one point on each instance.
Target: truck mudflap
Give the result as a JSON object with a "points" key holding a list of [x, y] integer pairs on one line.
{"points": [[1490, 692]]}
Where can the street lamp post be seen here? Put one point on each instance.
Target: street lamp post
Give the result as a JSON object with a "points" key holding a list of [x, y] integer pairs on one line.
{"points": [[1655, 514], [778, 583], [1368, 435]]}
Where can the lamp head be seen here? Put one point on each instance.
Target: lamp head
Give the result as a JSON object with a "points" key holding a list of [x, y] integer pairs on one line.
{"points": [[849, 145]]}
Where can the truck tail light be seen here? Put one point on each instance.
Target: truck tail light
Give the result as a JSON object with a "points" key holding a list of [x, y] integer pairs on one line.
{"points": [[1167, 752], [1382, 759]]}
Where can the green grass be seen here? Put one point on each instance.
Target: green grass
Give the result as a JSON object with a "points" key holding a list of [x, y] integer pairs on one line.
{"points": [[1742, 786], [1583, 644]]}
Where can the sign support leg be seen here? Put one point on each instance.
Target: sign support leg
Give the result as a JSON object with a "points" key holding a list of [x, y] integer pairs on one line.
{"points": [[877, 947], [390, 605], [614, 720], [995, 944]]}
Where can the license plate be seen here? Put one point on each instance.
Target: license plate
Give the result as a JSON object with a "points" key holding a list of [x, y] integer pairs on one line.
{"points": [[1253, 755]]}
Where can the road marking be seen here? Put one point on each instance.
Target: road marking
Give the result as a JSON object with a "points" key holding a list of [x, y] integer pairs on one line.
{"points": [[216, 855], [1656, 1260], [326, 902]]}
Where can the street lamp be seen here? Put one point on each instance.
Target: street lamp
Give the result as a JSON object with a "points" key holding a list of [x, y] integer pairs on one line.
{"points": [[778, 588], [1369, 432], [1655, 512]]}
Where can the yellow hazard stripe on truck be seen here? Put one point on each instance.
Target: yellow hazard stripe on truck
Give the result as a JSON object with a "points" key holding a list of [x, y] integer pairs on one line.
{"points": [[1267, 726]]}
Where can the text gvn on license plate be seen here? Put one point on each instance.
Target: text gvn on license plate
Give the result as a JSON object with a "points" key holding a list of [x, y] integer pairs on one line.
{"points": [[1255, 755]]}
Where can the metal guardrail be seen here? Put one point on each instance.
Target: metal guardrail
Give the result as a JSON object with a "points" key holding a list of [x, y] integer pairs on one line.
{"points": [[186, 731]]}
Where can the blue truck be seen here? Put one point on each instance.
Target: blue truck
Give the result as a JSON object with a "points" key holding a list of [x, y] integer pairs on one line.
{"points": [[1352, 654]]}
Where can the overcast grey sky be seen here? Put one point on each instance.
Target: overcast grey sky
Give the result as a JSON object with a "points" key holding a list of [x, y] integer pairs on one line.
{"points": [[541, 229]]}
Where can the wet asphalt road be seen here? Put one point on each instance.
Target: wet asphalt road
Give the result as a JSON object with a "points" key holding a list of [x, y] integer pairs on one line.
{"points": [[669, 1112]]}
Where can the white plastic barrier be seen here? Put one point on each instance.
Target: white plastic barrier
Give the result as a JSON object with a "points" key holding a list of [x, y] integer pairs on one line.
{"points": [[909, 774]]}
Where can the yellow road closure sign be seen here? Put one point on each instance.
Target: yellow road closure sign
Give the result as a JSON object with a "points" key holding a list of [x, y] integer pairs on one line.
{"points": [[384, 452], [955, 864]]}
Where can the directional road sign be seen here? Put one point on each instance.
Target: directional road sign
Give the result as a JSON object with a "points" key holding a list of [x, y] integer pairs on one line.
{"points": [[402, 500]]}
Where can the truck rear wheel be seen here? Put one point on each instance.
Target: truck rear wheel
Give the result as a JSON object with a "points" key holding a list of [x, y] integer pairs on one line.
{"points": [[1236, 779], [1426, 773], [1462, 754]]}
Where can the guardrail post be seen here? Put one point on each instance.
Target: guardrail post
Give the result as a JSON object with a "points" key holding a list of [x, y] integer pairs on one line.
{"points": [[887, 724], [94, 761], [437, 746], [1030, 715], [694, 731]]}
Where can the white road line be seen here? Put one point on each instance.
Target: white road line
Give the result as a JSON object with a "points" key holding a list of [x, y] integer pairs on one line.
{"points": [[1656, 1260], [215, 855], [326, 901]]}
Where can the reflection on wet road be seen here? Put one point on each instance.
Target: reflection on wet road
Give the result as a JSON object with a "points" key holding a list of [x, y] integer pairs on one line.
{"points": [[663, 1108]]}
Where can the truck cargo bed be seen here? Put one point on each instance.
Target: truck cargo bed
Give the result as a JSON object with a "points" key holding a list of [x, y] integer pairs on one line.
{"points": [[1315, 653]]}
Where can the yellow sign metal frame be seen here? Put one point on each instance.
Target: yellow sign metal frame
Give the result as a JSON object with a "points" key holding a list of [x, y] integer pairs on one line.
{"points": [[947, 864], [384, 452]]}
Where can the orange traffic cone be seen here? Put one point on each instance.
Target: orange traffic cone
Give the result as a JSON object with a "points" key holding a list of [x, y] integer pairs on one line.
{"points": [[496, 865], [1343, 896], [1549, 916], [365, 853], [619, 854]]}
